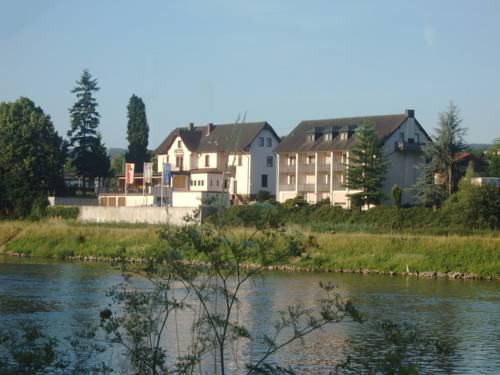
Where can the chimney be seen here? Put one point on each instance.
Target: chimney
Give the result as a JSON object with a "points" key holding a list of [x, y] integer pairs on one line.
{"points": [[210, 127], [410, 113], [191, 126]]}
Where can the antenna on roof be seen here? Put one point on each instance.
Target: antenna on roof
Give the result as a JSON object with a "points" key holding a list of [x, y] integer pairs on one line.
{"points": [[238, 118], [245, 116]]}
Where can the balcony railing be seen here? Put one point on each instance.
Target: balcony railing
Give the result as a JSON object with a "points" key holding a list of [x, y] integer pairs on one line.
{"points": [[306, 187], [323, 187], [287, 187], [307, 167], [403, 146], [324, 167], [286, 168], [338, 167]]}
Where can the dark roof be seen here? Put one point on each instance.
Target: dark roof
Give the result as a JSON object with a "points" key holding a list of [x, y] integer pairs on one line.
{"points": [[224, 137], [384, 125]]}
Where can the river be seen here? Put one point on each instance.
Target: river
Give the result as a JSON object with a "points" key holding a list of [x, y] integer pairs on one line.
{"points": [[63, 297]]}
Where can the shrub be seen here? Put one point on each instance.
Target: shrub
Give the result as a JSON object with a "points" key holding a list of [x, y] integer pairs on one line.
{"points": [[63, 212]]}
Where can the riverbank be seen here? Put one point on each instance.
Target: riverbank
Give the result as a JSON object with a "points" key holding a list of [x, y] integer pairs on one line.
{"points": [[393, 253]]}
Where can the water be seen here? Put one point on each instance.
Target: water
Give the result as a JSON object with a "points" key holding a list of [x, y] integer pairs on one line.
{"points": [[63, 297]]}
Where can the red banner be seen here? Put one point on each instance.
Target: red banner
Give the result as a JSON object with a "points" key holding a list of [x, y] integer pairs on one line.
{"points": [[129, 173]]}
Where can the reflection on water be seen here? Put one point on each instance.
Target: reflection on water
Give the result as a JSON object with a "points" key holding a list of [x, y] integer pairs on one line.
{"points": [[63, 297]]}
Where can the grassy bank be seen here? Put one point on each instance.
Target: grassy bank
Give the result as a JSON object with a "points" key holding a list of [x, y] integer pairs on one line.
{"points": [[384, 252]]}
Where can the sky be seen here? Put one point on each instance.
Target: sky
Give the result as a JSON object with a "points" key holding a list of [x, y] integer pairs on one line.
{"points": [[277, 61]]}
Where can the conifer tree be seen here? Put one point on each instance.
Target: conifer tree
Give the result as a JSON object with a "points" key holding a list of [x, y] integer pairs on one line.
{"points": [[86, 150], [137, 132], [440, 175], [367, 168]]}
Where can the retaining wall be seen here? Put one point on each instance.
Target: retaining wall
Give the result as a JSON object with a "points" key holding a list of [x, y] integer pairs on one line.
{"points": [[148, 215]]}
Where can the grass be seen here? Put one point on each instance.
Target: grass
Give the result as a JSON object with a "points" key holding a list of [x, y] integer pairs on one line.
{"points": [[348, 250]]}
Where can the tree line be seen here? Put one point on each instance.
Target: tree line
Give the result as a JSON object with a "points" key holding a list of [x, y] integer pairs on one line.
{"points": [[34, 157]]}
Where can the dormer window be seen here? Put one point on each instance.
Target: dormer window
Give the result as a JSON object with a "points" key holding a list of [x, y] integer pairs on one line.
{"points": [[328, 137], [344, 136], [310, 138]]}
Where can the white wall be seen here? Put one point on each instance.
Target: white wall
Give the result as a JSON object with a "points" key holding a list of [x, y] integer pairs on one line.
{"points": [[149, 215], [196, 198], [242, 173], [258, 165], [210, 182], [172, 153]]}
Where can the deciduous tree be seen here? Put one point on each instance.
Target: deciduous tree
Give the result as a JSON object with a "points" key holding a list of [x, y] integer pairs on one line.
{"points": [[31, 157]]}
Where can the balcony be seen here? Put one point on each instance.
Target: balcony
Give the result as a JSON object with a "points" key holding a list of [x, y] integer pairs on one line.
{"points": [[306, 187], [338, 167], [324, 167], [402, 146], [323, 187], [307, 167], [286, 168], [287, 187]]}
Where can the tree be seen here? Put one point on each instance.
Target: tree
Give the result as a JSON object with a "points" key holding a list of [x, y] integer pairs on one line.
{"points": [[86, 149], [493, 157], [200, 271], [31, 157], [397, 195], [440, 154], [367, 167], [137, 132]]}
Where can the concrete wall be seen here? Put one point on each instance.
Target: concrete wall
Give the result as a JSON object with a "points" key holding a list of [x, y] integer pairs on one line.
{"points": [[149, 215], [73, 201], [197, 198]]}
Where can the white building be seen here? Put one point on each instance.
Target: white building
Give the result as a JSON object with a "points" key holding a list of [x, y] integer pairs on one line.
{"points": [[237, 158], [313, 157]]}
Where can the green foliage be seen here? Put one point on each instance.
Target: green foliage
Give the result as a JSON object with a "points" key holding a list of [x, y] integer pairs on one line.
{"points": [[31, 158], [440, 157], [262, 196], [86, 150], [28, 351], [402, 349], [397, 195], [493, 157], [137, 133], [63, 212], [367, 168], [472, 206]]}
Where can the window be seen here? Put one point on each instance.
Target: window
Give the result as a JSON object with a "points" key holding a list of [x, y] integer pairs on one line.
{"points": [[263, 181], [402, 136], [310, 137], [269, 161], [179, 161], [225, 184], [240, 160], [344, 136], [261, 141], [328, 136], [217, 182], [211, 182], [207, 160], [179, 144], [310, 159], [417, 137], [269, 141], [167, 159], [202, 183], [327, 179], [291, 179], [291, 160]]}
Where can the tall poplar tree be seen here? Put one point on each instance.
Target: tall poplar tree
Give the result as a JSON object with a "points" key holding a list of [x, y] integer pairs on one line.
{"points": [[367, 167], [137, 132], [86, 150]]}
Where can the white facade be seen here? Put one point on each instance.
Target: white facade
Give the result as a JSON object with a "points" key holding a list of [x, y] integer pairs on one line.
{"points": [[241, 173]]}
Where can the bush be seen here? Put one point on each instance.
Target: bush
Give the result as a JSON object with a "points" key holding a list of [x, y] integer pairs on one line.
{"points": [[63, 212]]}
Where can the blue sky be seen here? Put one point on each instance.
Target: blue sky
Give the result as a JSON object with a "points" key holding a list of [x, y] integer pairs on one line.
{"points": [[281, 61]]}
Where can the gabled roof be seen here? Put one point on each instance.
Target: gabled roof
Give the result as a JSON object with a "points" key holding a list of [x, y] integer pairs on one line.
{"points": [[384, 126], [223, 137]]}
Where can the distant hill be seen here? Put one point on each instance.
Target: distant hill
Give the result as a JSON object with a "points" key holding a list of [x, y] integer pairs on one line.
{"points": [[115, 151]]}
